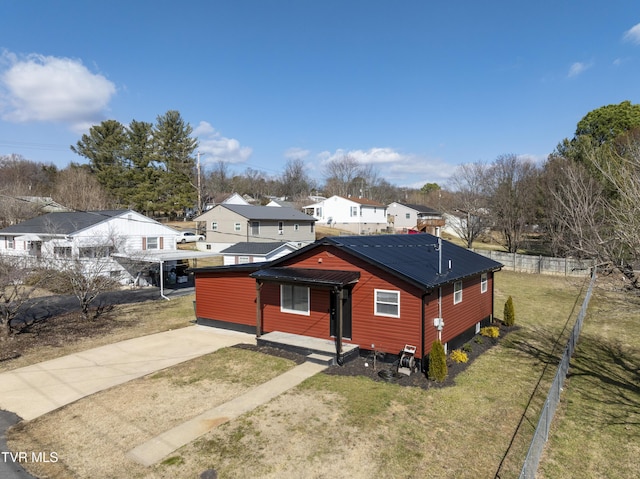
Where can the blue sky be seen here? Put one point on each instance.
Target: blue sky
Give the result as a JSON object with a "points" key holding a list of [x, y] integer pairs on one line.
{"points": [[415, 87]]}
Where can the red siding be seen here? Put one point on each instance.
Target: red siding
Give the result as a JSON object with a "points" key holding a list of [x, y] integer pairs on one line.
{"points": [[231, 296], [226, 296], [387, 334]]}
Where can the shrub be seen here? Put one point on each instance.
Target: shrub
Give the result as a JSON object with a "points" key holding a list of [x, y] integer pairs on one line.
{"points": [[467, 348], [437, 362], [509, 313], [459, 356], [490, 332]]}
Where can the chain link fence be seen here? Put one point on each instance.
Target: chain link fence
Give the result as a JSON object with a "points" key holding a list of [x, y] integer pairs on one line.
{"points": [[541, 433]]}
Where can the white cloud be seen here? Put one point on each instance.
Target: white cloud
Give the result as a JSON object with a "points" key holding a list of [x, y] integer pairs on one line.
{"points": [[216, 147], [295, 153], [396, 167], [578, 68], [51, 89], [633, 34]]}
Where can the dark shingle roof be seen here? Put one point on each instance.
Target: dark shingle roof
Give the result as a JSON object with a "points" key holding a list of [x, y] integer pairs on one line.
{"points": [[421, 209], [61, 223], [269, 213], [253, 248]]}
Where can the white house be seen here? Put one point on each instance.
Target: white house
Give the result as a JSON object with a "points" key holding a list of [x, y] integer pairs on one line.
{"points": [[251, 252], [404, 217], [117, 243], [357, 215]]}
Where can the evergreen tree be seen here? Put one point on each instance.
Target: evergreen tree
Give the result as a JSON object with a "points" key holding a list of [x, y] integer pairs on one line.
{"points": [[105, 147], [509, 313], [437, 362], [174, 156]]}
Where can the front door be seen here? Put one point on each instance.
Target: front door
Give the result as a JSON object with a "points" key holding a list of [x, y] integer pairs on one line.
{"points": [[346, 314]]}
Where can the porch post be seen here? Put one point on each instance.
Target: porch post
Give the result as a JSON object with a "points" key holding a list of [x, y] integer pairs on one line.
{"points": [[258, 309], [339, 305]]}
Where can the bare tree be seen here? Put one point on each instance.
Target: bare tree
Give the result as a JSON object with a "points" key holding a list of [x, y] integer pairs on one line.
{"points": [[78, 189], [295, 181], [623, 207], [218, 180], [469, 200], [340, 174], [513, 201], [15, 294], [577, 219]]}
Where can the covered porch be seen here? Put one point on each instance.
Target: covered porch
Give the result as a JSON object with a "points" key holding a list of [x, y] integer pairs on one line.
{"points": [[316, 349]]}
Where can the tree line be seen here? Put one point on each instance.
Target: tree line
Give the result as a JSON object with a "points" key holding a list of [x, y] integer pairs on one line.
{"points": [[582, 201]]}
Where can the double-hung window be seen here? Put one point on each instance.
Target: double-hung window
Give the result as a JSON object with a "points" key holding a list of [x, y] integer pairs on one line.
{"points": [[280, 227], [152, 242], [294, 299], [387, 303], [483, 283], [457, 292]]}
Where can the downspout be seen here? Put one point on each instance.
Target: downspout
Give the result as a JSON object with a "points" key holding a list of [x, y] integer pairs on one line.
{"points": [[423, 332], [162, 280], [258, 309], [493, 292]]}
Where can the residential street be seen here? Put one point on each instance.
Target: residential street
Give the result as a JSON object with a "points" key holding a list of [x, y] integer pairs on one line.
{"points": [[48, 306]]}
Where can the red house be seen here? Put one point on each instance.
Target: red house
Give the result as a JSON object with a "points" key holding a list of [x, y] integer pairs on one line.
{"points": [[387, 290]]}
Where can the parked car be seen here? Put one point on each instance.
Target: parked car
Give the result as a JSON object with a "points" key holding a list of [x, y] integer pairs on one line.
{"points": [[188, 237]]}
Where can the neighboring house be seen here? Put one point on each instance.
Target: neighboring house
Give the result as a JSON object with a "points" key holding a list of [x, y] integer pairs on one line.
{"points": [[357, 215], [243, 253], [378, 292], [233, 199], [277, 202], [455, 223], [89, 239], [404, 217], [227, 224]]}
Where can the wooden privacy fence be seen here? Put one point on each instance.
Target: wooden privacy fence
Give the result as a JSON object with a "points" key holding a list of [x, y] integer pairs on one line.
{"points": [[539, 264]]}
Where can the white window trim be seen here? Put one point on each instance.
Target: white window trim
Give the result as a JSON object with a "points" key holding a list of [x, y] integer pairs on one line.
{"points": [[375, 303], [152, 239], [280, 227], [214, 226], [295, 311], [484, 283], [237, 227], [457, 294]]}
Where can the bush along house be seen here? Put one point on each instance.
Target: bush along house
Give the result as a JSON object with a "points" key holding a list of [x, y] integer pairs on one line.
{"points": [[380, 293]]}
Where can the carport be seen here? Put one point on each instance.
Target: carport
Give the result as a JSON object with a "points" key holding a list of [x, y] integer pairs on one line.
{"points": [[161, 257]]}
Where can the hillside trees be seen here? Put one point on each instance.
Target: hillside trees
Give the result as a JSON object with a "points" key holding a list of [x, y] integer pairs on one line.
{"points": [[77, 188]]}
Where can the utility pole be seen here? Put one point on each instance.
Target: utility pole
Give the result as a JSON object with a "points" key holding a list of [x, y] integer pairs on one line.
{"points": [[199, 209]]}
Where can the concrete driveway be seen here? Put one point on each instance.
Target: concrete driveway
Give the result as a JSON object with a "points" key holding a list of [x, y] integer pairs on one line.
{"points": [[40, 388]]}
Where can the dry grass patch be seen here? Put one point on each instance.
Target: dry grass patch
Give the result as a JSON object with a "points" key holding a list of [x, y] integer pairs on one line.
{"points": [[355, 427], [93, 435]]}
